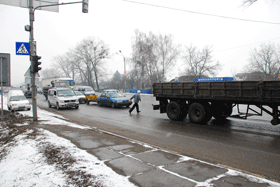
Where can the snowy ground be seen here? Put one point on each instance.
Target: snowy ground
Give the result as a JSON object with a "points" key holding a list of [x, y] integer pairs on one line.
{"points": [[27, 160]]}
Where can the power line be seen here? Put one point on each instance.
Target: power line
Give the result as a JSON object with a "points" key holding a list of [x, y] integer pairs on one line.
{"points": [[245, 45], [225, 17]]}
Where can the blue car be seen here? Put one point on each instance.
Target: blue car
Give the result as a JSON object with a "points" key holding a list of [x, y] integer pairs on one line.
{"points": [[113, 99]]}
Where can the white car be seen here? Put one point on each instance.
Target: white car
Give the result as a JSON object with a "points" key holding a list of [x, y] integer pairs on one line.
{"points": [[81, 96], [18, 102], [62, 98]]}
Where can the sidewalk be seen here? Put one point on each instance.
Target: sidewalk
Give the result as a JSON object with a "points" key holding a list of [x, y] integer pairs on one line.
{"points": [[146, 166]]}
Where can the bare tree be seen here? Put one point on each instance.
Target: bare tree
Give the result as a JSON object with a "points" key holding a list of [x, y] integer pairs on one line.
{"points": [[153, 55], [90, 56], [167, 53], [66, 63], [247, 3], [200, 63], [266, 61], [51, 72]]}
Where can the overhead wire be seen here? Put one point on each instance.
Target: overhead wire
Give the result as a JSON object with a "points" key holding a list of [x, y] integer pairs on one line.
{"points": [[225, 17], [246, 45], [201, 13]]}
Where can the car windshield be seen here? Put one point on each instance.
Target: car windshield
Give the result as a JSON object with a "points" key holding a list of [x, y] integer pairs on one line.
{"points": [[17, 98], [88, 89], [78, 93], [67, 92], [115, 95], [62, 84]]}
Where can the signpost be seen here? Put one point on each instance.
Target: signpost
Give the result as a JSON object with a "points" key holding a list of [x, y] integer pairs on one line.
{"points": [[23, 48]]}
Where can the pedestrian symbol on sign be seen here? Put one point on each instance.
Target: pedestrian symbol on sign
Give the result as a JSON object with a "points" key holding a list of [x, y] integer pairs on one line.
{"points": [[22, 48]]}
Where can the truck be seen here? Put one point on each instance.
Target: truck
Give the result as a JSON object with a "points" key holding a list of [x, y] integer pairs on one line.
{"points": [[51, 82], [204, 100]]}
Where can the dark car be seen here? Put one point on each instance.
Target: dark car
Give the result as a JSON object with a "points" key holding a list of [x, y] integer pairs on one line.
{"points": [[113, 99]]}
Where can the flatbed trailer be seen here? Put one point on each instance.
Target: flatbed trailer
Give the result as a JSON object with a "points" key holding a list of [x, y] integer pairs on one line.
{"points": [[204, 100]]}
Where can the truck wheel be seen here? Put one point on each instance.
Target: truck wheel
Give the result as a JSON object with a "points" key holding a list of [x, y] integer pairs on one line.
{"points": [[199, 113], [174, 111], [57, 106], [221, 110]]}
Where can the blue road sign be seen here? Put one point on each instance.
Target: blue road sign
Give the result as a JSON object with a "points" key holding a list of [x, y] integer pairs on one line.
{"points": [[211, 79], [22, 48]]}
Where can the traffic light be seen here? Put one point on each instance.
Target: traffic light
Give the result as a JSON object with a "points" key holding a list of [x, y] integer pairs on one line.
{"points": [[36, 59], [85, 6]]}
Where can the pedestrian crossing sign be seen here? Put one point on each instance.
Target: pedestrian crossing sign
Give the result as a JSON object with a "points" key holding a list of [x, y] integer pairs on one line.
{"points": [[22, 48]]}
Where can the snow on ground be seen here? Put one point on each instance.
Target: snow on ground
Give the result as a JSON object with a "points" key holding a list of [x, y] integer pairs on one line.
{"points": [[26, 165]]}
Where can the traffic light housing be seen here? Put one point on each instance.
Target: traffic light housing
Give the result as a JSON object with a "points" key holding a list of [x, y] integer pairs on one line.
{"points": [[36, 62], [85, 6]]}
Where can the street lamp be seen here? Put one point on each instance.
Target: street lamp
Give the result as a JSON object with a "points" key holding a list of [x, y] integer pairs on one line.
{"points": [[120, 53]]}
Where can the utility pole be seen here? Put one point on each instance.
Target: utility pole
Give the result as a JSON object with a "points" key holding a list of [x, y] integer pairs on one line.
{"points": [[32, 53], [2, 115], [33, 57]]}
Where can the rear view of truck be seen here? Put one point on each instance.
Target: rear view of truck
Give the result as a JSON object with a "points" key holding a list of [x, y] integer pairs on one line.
{"points": [[204, 100]]}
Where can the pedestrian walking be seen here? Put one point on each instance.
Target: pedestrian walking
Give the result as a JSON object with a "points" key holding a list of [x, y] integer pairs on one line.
{"points": [[137, 98]]}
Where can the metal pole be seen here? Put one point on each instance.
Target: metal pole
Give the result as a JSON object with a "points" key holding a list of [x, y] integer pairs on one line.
{"points": [[124, 75], [32, 53], [2, 115]]}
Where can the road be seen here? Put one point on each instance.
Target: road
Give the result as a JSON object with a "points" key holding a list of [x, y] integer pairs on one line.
{"points": [[251, 146]]}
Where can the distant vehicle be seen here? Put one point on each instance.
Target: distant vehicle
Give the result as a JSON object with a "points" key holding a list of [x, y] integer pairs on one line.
{"points": [[81, 96], [113, 98], [48, 83], [39, 90], [28, 94], [5, 90], [88, 92], [111, 90], [17, 101], [62, 98]]}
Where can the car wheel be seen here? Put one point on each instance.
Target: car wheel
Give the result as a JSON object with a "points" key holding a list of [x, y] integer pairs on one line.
{"points": [[28, 108], [57, 106], [77, 107], [113, 105], [88, 102], [49, 104]]}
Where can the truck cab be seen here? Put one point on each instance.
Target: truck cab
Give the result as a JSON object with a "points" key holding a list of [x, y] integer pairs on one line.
{"points": [[62, 98]]}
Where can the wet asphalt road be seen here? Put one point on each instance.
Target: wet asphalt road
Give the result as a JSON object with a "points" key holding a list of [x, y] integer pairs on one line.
{"points": [[252, 145]]}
